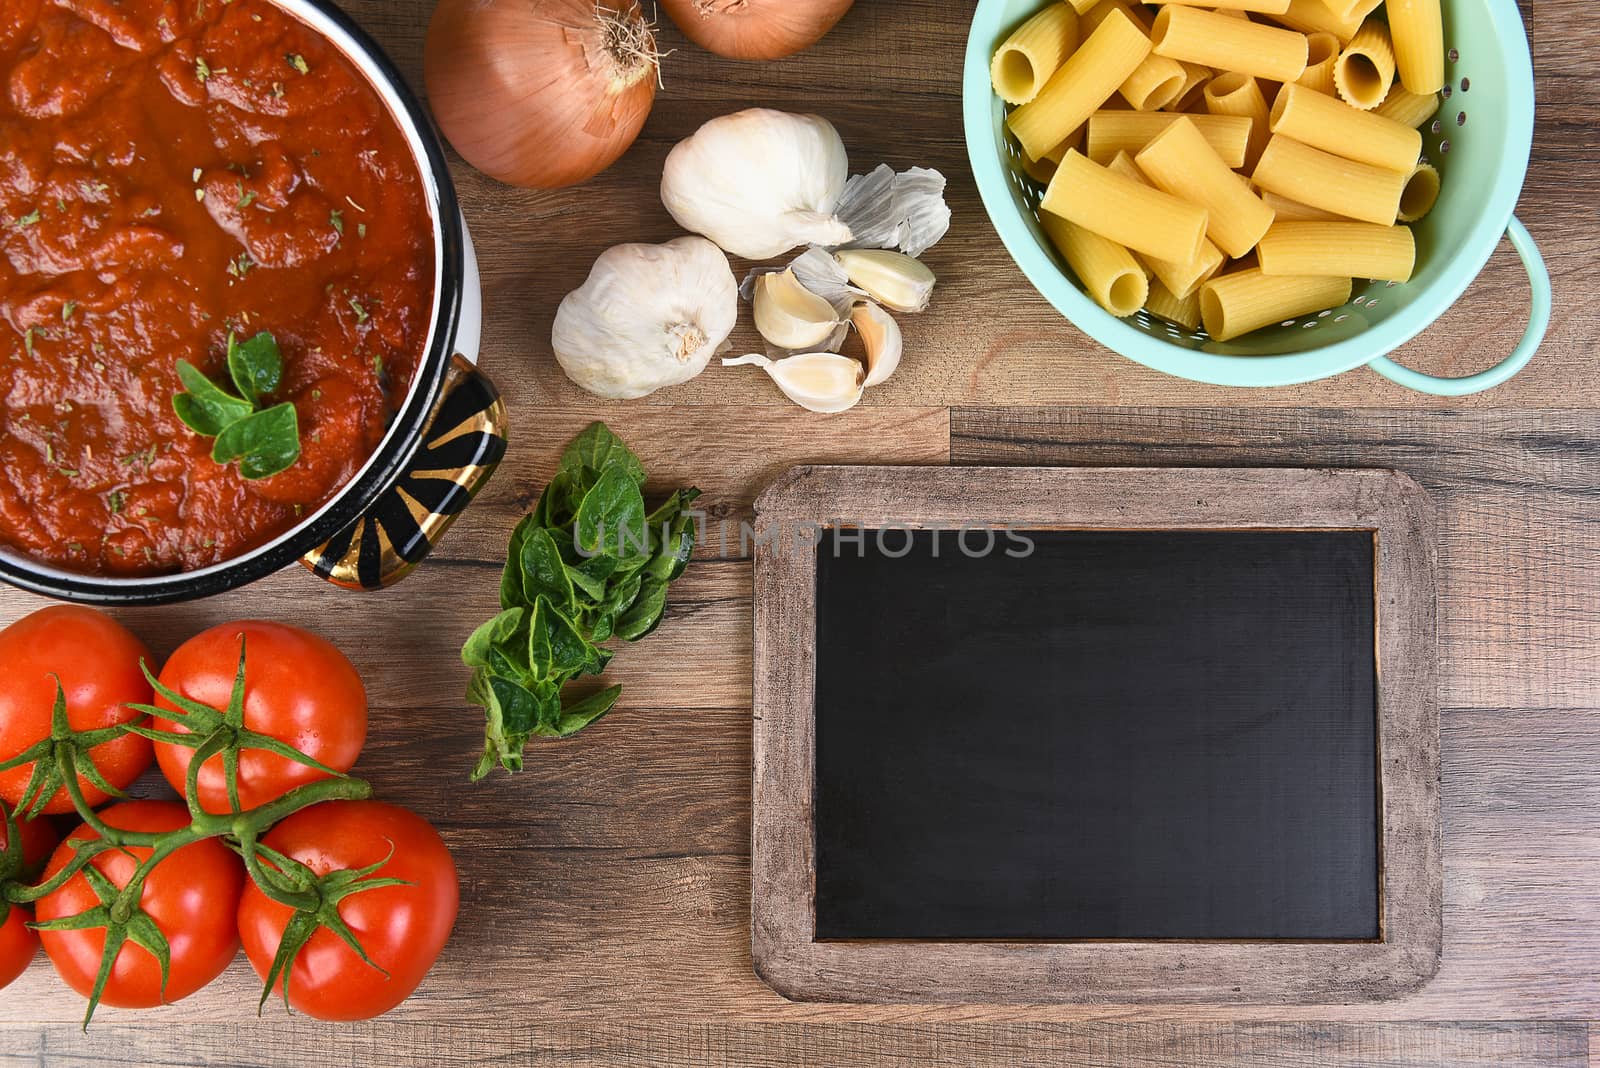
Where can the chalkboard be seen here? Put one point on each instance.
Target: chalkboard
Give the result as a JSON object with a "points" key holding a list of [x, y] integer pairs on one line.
{"points": [[1081, 734], [1149, 736]]}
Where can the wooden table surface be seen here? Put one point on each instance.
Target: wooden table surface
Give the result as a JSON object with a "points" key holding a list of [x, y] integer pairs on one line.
{"points": [[605, 900]]}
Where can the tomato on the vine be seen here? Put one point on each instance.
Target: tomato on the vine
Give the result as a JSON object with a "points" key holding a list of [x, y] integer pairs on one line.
{"points": [[18, 944], [298, 689], [192, 896], [97, 660], [402, 928]]}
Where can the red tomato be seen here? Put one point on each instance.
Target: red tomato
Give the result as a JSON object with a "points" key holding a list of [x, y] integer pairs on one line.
{"points": [[192, 896], [98, 661], [18, 944], [402, 928], [298, 689]]}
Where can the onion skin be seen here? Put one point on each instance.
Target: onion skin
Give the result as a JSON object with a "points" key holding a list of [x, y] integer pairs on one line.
{"points": [[756, 29], [540, 93]]}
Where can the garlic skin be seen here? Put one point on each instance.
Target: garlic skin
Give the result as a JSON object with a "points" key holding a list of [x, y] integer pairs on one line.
{"points": [[649, 316], [881, 336], [893, 279], [790, 316], [759, 182], [818, 381]]}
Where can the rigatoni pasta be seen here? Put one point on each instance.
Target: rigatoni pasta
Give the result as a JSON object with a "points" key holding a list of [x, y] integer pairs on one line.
{"points": [[1085, 81], [1120, 209], [1417, 28], [1215, 40], [1107, 270], [1035, 50], [1365, 69], [1180, 162], [1334, 126], [1225, 165], [1236, 304], [1110, 132], [1332, 183], [1240, 94], [1340, 250]]}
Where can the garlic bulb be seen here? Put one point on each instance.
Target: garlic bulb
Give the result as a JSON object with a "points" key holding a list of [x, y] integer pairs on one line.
{"points": [[820, 381], [649, 316], [789, 315], [893, 279], [881, 336], [759, 182]]}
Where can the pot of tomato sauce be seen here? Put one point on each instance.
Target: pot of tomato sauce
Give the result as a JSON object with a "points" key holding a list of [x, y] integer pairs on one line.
{"points": [[177, 181]]}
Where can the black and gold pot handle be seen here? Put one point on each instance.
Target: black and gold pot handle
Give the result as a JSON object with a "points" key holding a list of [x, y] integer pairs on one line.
{"points": [[462, 445]]}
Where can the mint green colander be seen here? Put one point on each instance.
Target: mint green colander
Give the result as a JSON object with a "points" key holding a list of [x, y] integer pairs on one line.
{"points": [[1480, 141]]}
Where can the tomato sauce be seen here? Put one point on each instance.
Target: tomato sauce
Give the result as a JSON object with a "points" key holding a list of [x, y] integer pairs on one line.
{"points": [[171, 171]]}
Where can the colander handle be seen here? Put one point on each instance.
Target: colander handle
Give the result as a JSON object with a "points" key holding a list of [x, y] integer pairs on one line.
{"points": [[1538, 323]]}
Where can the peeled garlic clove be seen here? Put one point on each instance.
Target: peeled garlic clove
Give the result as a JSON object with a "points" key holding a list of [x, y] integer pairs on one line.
{"points": [[881, 336], [819, 381], [893, 279], [789, 315]]}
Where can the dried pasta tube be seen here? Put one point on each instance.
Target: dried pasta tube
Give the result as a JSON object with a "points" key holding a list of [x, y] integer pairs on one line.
{"points": [[1195, 78], [1353, 9], [1286, 210], [1334, 126], [1043, 169], [1181, 163], [1314, 16], [1034, 51], [1239, 94], [1110, 132], [1320, 179], [1236, 304], [1420, 194], [1323, 54], [1417, 29], [1404, 106], [1108, 271], [1120, 209], [1085, 81], [1154, 84], [1339, 250], [1365, 69], [1183, 278], [1205, 37], [1184, 312], [1081, 6], [1266, 7]]}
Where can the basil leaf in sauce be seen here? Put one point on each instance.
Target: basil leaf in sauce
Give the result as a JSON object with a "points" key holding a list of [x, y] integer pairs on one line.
{"points": [[206, 408], [265, 443], [256, 366]]}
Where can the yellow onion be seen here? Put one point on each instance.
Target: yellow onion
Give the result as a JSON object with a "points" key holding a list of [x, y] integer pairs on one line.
{"points": [[756, 29], [540, 93]]}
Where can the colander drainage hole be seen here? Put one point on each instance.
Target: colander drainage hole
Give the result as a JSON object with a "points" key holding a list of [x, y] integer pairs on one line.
{"points": [[1455, 57], [1437, 127], [1466, 83], [1461, 119], [1444, 148], [1448, 92]]}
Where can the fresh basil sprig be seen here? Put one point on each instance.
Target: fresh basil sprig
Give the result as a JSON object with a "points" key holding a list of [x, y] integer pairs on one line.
{"points": [[265, 441], [589, 564]]}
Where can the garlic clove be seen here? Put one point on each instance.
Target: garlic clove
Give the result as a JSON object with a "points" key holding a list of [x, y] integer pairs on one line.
{"points": [[819, 381], [789, 315], [881, 336], [893, 279]]}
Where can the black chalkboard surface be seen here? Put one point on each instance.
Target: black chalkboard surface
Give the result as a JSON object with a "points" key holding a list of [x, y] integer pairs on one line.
{"points": [[1120, 735]]}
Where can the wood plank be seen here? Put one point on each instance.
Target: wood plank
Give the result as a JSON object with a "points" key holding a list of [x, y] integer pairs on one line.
{"points": [[1151, 1044], [989, 338]]}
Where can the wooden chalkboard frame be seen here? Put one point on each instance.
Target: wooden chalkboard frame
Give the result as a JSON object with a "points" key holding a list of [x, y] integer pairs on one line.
{"points": [[784, 949]]}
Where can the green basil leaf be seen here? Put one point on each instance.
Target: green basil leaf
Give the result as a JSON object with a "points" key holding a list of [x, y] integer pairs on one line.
{"points": [[543, 572], [598, 449], [610, 520], [646, 613], [206, 408], [265, 443], [519, 706], [565, 652], [585, 712], [674, 534], [496, 631], [511, 593], [558, 504], [621, 593], [256, 366]]}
